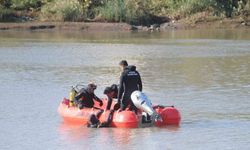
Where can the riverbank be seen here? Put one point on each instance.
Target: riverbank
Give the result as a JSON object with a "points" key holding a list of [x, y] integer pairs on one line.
{"points": [[202, 23], [66, 26], [113, 15]]}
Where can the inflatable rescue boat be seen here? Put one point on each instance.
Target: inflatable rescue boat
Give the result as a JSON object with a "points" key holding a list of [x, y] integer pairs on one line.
{"points": [[148, 114]]}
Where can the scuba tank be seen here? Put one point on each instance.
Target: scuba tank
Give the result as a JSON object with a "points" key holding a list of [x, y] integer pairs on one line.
{"points": [[72, 95]]}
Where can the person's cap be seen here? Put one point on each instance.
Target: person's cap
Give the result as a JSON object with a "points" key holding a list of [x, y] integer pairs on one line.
{"points": [[92, 86], [123, 63]]}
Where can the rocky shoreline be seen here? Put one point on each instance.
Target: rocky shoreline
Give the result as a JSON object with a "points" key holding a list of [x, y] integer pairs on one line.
{"points": [[100, 26]]}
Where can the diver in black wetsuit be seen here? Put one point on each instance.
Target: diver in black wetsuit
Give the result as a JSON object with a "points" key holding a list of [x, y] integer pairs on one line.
{"points": [[130, 81], [93, 121], [86, 97], [111, 93]]}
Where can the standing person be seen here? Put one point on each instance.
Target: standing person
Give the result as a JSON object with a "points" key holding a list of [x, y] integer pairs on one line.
{"points": [[130, 81], [86, 97]]}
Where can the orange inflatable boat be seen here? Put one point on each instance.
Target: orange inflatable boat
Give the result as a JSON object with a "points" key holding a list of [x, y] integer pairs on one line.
{"points": [[123, 119]]}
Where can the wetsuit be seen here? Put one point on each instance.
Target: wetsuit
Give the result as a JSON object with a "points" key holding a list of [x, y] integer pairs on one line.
{"points": [[85, 99], [130, 81], [94, 119], [94, 122], [113, 88]]}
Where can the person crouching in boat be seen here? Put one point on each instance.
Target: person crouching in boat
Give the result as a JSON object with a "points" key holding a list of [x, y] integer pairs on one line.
{"points": [[86, 97], [111, 93], [94, 121]]}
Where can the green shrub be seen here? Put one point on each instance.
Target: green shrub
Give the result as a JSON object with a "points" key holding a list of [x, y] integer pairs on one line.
{"points": [[62, 10], [130, 11], [218, 7], [179, 7], [5, 4], [246, 8], [223, 7], [137, 12], [155, 7], [194, 6], [25, 4], [6, 14], [112, 11]]}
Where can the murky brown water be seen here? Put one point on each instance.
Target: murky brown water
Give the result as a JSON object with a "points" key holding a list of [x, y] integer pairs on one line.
{"points": [[205, 74]]}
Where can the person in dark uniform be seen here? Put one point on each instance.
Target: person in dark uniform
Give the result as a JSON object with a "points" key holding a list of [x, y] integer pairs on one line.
{"points": [[130, 81], [94, 121], [86, 97], [111, 93]]}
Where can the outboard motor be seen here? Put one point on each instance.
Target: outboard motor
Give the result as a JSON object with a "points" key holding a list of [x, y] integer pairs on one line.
{"points": [[141, 101]]}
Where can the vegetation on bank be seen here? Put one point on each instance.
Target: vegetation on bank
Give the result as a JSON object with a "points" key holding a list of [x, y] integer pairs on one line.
{"points": [[136, 12]]}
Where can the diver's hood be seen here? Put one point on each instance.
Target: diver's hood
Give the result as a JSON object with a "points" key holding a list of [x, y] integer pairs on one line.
{"points": [[130, 68]]}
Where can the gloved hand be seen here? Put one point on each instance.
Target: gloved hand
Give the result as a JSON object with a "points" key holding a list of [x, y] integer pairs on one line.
{"points": [[100, 103]]}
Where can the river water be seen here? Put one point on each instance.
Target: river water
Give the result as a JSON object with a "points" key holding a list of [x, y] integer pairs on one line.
{"points": [[204, 74]]}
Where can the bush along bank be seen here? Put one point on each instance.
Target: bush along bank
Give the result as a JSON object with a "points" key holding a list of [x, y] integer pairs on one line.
{"points": [[134, 12]]}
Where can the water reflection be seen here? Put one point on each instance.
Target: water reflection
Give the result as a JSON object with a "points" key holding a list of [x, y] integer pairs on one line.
{"points": [[121, 37], [109, 137], [72, 132]]}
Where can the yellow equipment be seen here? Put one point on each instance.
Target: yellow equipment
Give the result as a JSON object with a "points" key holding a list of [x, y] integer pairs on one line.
{"points": [[72, 95]]}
